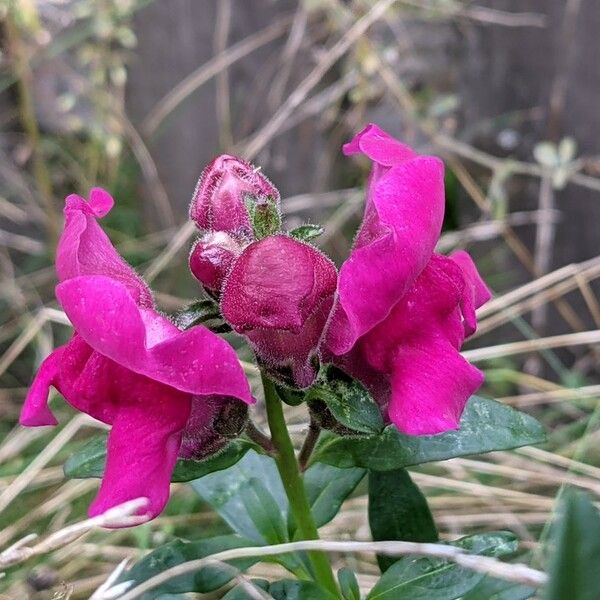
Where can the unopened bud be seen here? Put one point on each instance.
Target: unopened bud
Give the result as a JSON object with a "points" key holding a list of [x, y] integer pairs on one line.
{"points": [[212, 257], [220, 201]]}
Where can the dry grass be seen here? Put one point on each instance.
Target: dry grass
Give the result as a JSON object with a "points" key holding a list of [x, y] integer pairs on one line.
{"points": [[505, 490]]}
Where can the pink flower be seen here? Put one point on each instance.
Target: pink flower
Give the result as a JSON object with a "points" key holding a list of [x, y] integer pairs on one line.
{"points": [[279, 294], [128, 366], [403, 312], [225, 189]]}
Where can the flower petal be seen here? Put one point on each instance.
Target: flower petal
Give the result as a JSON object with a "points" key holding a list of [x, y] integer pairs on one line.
{"points": [[401, 226], [476, 292], [84, 248], [431, 383], [195, 361], [379, 146], [35, 411], [289, 355], [143, 442], [276, 284], [212, 257], [417, 347]]}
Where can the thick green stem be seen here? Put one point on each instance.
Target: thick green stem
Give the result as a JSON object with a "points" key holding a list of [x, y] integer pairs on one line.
{"points": [[294, 486]]}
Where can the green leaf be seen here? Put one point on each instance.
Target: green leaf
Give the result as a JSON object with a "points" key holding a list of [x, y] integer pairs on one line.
{"points": [[347, 399], [250, 497], [348, 584], [575, 550], [289, 396], [291, 589], [486, 426], [327, 487], [398, 511], [286, 589], [414, 578], [496, 589], [202, 580], [90, 459], [239, 593], [307, 232], [190, 470], [204, 312]]}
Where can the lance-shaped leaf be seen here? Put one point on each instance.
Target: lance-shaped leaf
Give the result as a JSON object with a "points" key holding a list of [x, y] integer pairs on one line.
{"points": [[201, 580], [575, 550], [250, 497], [398, 510], [412, 578], [486, 426], [347, 399]]}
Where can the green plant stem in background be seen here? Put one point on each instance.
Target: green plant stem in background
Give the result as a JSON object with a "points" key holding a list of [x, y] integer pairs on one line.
{"points": [[314, 430], [293, 484], [30, 125]]}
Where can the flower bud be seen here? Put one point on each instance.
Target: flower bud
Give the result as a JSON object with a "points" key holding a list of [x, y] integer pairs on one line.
{"points": [[279, 294], [226, 188], [213, 422], [212, 257]]}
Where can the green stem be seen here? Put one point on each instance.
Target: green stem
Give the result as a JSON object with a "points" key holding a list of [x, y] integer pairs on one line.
{"points": [[30, 125], [294, 486], [312, 437]]}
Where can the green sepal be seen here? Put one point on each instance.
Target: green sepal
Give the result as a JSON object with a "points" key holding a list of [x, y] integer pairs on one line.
{"points": [[264, 214], [203, 312], [306, 232]]}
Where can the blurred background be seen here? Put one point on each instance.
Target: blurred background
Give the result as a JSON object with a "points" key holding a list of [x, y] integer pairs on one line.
{"points": [[138, 95]]}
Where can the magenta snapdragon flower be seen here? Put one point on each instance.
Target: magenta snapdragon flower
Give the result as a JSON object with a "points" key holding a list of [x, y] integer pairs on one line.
{"points": [[402, 312], [159, 388], [279, 294]]}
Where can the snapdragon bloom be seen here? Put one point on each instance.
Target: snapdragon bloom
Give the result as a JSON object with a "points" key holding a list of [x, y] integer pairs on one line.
{"points": [[275, 290], [160, 389], [403, 312], [279, 294]]}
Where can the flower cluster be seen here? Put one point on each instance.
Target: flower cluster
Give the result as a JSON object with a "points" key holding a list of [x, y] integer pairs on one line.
{"points": [[395, 317]]}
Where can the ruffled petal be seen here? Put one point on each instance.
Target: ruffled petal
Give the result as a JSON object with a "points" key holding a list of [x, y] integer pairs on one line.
{"points": [[379, 146], [431, 383], [35, 411], [195, 361], [143, 442], [276, 284], [84, 248], [401, 226], [417, 348], [476, 292]]}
